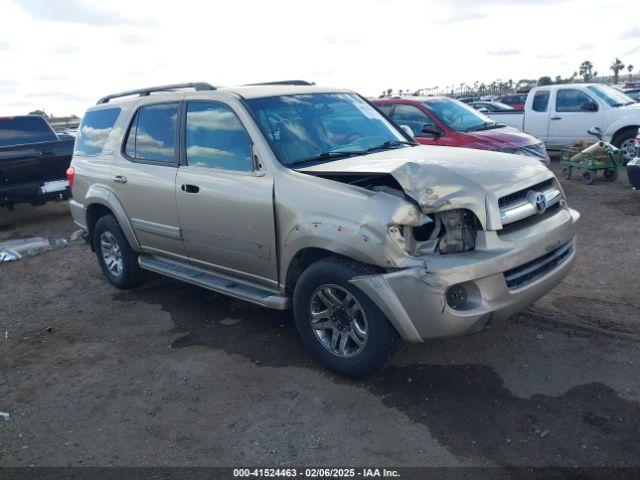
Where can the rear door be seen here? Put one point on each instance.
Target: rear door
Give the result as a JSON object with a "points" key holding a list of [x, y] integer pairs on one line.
{"points": [[143, 177], [537, 114], [225, 203], [574, 112]]}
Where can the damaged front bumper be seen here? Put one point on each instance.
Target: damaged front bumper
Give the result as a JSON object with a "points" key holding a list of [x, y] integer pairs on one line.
{"points": [[504, 275]]}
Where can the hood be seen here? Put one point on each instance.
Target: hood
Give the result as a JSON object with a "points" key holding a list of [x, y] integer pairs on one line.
{"points": [[498, 138], [440, 178]]}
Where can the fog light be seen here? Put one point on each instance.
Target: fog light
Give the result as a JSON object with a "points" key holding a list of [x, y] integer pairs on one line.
{"points": [[457, 297]]}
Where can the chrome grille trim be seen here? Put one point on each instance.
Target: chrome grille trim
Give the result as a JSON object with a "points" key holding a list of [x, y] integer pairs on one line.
{"points": [[522, 210]]}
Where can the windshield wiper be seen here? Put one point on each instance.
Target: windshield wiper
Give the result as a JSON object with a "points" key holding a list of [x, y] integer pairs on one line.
{"points": [[390, 144], [484, 126], [329, 155]]}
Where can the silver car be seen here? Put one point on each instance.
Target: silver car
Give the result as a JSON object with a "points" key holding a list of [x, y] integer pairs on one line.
{"points": [[290, 195]]}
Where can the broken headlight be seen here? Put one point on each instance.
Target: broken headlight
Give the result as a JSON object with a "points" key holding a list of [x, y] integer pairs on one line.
{"points": [[459, 231], [453, 231]]}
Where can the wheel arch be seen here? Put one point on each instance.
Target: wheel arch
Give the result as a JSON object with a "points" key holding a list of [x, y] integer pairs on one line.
{"points": [[101, 201]]}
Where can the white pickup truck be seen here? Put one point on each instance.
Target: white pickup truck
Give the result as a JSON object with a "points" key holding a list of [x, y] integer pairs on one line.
{"points": [[561, 114]]}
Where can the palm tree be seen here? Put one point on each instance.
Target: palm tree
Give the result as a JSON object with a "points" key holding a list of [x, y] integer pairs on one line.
{"points": [[630, 70], [616, 66], [586, 70]]}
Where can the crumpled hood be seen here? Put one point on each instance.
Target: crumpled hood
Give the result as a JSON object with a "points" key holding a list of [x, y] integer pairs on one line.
{"points": [[441, 178]]}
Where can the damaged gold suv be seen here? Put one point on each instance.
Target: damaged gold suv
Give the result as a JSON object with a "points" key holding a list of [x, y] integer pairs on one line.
{"points": [[289, 195]]}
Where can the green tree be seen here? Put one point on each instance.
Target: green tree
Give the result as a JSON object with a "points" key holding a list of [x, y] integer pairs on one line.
{"points": [[586, 70], [542, 81], [616, 66], [630, 70]]}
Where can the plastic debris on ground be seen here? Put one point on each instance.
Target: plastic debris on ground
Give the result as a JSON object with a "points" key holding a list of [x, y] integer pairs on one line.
{"points": [[13, 250], [5, 416]]}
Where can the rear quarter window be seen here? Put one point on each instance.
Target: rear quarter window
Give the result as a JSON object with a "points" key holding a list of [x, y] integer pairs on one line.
{"points": [[25, 130], [94, 131]]}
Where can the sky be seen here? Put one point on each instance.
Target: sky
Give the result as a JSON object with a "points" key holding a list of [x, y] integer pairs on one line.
{"points": [[62, 55]]}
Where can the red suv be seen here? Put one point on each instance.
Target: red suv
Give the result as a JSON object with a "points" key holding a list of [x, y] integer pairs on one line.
{"points": [[448, 122]]}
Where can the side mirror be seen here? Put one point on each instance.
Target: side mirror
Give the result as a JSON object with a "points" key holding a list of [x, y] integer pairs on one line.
{"points": [[596, 132], [589, 107], [432, 130], [408, 131]]}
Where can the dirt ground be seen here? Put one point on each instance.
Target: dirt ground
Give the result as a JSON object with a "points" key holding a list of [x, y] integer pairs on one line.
{"points": [[171, 374]]}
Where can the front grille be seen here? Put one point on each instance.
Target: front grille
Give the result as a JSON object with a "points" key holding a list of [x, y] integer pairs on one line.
{"points": [[521, 195], [530, 271], [528, 222]]}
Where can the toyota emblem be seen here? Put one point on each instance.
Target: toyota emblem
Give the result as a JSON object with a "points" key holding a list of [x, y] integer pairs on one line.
{"points": [[538, 200]]}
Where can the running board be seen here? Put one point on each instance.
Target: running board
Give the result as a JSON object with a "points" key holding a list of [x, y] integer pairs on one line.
{"points": [[217, 283]]}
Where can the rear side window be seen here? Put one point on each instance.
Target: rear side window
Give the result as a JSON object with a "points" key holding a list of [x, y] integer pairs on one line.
{"points": [[540, 101], [385, 107], [152, 136], [22, 130], [94, 131], [216, 139]]}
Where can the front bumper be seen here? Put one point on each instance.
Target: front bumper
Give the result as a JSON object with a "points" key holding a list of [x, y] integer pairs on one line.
{"points": [[414, 299]]}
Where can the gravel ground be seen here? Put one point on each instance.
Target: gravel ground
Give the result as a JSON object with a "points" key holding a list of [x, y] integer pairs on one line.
{"points": [[171, 374]]}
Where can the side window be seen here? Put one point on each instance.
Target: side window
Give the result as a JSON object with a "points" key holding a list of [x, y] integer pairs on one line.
{"points": [[540, 101], [94, 131], [152, 133], [216, 138], [385, 107], [412, 117], [573, 100]]}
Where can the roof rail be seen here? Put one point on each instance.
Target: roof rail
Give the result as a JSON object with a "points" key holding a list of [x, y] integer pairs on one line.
{"points": [[282, 82], [145, 92]]}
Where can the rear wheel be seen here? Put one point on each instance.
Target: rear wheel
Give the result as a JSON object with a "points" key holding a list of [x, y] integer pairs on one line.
{"points": [[118, 261], [341, 327]]}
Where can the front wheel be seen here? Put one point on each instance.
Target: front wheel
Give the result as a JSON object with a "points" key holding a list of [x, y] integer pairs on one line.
{"points": [[118, 261], [341, 327], [625, 141], [587, 177]]}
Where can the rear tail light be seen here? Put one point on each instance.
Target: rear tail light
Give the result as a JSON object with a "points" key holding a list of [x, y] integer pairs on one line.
{"points": [[71, 176]]}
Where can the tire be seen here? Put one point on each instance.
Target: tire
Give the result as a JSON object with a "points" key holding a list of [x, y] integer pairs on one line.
{"points": [[356, 359], [623, 139], [129, 274], [610, 174], [566, 173], [587, 177]]}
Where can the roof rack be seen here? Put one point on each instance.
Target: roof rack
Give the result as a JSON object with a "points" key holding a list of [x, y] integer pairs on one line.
{"points": [[282, 82], [145, 92]]}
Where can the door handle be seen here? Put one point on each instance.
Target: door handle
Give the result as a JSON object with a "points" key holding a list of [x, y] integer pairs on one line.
{"points": [[190, 188], [120, 179], [555, 118]]}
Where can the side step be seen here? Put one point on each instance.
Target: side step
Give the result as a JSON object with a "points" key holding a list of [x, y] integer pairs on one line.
{"points": [[217, 283]]}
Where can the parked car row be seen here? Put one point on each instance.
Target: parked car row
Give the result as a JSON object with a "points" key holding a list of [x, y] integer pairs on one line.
{"points": [[444, 121], [562, 114]]}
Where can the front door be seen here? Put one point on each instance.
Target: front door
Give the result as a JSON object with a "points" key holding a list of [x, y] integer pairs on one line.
{"points": [[143, 178], [574, 113], [225, 204]]}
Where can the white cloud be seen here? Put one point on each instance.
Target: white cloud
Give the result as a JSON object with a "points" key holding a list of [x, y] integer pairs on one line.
{"points": [[77, 11], [4, 45], [357, 44], [633, 32]]}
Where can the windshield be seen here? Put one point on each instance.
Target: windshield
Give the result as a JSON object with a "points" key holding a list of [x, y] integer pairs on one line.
{"points": [[322, 126], [456, 115], [613, 97]]}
